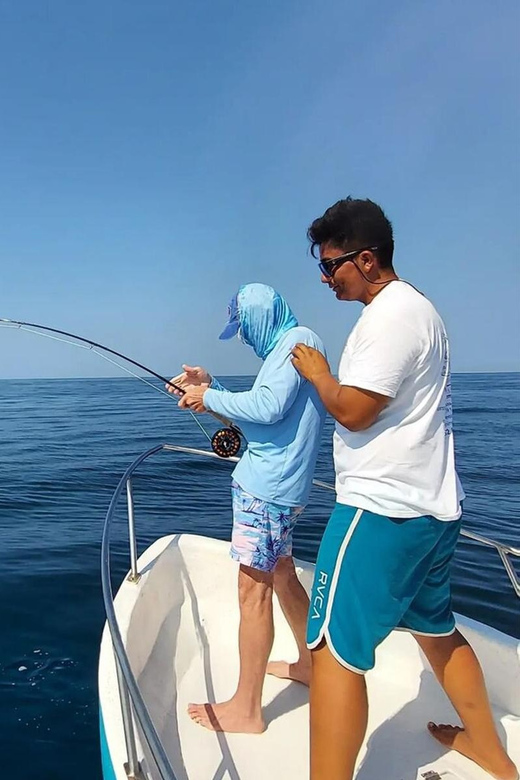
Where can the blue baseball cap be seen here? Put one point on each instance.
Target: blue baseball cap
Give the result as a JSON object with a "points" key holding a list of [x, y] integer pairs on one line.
{"points": [[233, 323]]}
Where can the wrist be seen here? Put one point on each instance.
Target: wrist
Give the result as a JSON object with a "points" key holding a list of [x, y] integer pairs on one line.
{"points": [[320, 377]]}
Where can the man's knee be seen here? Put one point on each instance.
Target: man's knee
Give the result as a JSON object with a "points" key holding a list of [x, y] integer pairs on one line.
{"points": [[433, 646], [284, 573], [255, 587]]}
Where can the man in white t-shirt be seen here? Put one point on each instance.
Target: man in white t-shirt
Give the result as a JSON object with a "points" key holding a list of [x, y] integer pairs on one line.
{"points": [[385, 555]]}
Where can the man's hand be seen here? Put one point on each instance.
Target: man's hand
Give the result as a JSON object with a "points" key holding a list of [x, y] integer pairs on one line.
{"points": [[309, 362], [353, 407], [192, 375], [193, 398]]}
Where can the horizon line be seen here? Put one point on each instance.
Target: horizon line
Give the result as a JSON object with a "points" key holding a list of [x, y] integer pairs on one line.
{"points": [[146, 376]]}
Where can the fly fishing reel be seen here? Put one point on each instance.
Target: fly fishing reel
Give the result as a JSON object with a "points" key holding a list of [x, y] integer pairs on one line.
{"points": [[226, 442]]}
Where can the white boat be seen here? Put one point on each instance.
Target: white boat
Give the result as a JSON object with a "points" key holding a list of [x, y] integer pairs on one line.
{"points": [[171, 638]]}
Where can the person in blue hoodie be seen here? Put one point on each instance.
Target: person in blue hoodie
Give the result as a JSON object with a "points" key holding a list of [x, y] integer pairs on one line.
{"points": [[282, 419]]}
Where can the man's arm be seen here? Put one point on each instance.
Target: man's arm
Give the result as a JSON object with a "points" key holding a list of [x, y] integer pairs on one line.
{"points": [[383, 354], [353, 407], [265, 403]]}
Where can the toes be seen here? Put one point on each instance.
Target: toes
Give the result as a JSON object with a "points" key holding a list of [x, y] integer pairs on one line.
{"points": [[444, 732], [449, 727], [198, 718], [203, 715]]}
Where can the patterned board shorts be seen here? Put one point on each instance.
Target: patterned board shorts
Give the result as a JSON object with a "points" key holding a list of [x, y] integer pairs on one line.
{"points": [[262, 532]]}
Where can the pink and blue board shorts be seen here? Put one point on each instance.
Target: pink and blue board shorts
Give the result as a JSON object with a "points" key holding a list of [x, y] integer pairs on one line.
{"points": [[375, 574], [262, 532]]}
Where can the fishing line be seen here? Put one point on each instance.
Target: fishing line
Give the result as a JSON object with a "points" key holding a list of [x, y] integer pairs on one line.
{"points": [[225, 442], [93, 349]]}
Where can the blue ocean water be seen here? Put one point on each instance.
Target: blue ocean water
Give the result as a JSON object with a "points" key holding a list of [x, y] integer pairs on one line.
{"points": [[64, 446]]}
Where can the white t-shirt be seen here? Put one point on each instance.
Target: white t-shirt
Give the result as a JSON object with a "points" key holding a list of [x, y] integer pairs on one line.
{"points": [[404, 464]]}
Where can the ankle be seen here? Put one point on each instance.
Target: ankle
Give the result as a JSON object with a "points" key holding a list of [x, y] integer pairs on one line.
{"points": [[250, 708]]}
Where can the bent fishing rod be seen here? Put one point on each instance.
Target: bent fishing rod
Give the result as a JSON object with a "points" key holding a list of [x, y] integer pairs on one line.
{"points": [[225, 442]]}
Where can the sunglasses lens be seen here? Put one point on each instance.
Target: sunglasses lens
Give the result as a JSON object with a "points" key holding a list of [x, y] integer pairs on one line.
{"points": [[324, 269]]}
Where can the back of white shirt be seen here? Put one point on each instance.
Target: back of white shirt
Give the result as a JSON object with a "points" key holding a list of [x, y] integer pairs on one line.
{"points": [[404, 464]]}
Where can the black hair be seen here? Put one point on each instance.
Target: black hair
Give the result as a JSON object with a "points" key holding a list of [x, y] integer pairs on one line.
{"points": [[350, 224]]}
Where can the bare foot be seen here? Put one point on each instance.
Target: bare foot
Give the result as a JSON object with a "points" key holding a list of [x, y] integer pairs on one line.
{"points": [[454, 737], [226, 716], [299, 672]]}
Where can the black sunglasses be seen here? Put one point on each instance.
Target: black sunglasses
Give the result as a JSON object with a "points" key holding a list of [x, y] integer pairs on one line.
{"points": [[328, 267]]}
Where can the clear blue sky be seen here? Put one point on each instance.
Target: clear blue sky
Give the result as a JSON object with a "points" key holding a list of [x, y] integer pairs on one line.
{"points": [[155, 155]]}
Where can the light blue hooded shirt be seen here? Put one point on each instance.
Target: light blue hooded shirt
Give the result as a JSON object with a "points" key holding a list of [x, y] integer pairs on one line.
{"points": [[281, 416]]}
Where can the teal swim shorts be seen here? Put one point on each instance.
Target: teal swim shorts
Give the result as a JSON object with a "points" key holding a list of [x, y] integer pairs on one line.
{"points": [[375, 574]]}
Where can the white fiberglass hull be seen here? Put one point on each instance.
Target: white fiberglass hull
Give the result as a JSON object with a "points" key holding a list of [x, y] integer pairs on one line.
{"points": [[179, 624]]}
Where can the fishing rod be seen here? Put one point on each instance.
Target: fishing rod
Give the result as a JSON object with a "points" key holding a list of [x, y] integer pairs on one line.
{"points": [[225, 442]]}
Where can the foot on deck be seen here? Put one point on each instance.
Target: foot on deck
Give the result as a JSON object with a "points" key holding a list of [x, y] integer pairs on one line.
{"points": [[298, 672], [227, 717], [455, 738]]}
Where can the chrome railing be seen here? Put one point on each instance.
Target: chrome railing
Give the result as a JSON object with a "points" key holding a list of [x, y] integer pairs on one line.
{"points": [[133, 707], [132, 703]]}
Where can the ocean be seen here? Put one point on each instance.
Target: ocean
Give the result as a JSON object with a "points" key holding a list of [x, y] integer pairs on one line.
{"points": [[63, 447]]}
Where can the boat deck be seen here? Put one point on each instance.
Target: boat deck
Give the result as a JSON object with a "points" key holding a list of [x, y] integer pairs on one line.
{"points": [[180, 625]]}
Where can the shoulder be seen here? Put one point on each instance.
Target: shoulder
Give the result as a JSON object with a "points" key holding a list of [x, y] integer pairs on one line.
{"points": [[400, 306], [406, 297], [302, 335]]}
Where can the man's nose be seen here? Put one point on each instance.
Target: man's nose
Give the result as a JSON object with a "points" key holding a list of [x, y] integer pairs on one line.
{"points": [[325, 279]]}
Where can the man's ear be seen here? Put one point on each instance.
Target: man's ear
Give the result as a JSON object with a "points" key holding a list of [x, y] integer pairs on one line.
{"points": [[368, 260]]}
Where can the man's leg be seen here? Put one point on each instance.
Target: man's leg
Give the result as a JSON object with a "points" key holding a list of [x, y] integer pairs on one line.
{"points": [[295, 606], [339, 714], [243, 712], [458, 671]]}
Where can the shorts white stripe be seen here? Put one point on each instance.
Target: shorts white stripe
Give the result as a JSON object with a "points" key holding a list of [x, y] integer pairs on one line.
{"points": [[424, 633], [339, 659], [324, 630]]}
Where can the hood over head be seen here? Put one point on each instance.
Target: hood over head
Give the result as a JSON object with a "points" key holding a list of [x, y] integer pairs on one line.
{"points": [[260, 316]]}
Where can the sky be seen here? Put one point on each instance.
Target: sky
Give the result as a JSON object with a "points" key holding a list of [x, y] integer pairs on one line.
{"points": [[154, 156]]}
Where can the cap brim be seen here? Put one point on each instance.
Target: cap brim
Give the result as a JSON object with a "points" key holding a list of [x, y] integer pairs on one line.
{"points": [[230, 330]]}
